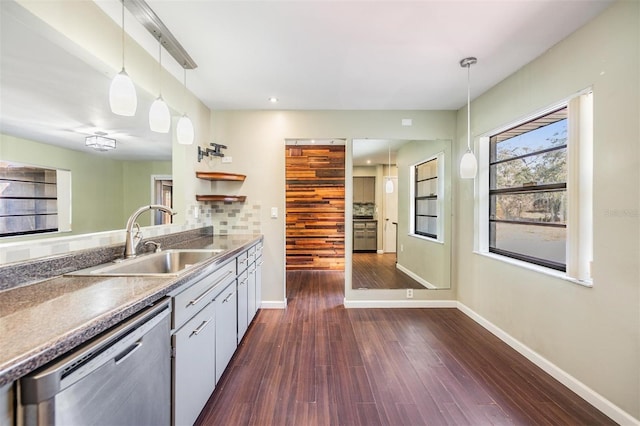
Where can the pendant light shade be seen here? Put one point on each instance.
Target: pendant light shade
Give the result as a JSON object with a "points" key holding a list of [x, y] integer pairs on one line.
{"points": [[388, 187], [468, 163], [159, 116], [184, 130], [468, 166], [122, 93]]}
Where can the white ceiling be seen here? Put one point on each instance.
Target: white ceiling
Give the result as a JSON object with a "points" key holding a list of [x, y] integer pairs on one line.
{"points": [[361, 54], [311, 54]]}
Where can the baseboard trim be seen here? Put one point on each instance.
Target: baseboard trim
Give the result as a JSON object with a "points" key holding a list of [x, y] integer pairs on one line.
{"points": [[592, 397], [274, 304], [399, 303], [418, 278]]}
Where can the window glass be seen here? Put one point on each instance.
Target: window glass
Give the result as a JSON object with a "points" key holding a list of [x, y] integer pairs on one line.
{"points": [[426, 199], [528, 191]]}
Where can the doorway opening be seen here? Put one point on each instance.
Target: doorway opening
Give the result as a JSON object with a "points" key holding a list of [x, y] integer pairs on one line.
{"points": [[161, 193], [315, 204]]}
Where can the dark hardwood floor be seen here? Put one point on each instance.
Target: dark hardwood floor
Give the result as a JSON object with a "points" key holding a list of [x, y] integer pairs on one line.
{"points": [[317, 363], [374, 271]]}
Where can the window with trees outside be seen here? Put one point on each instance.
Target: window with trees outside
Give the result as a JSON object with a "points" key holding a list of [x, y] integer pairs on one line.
{"points": [[528, 191]]}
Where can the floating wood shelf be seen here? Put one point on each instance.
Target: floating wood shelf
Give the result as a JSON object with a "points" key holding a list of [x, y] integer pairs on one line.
{"points": [[220, 176], [230, 198]]}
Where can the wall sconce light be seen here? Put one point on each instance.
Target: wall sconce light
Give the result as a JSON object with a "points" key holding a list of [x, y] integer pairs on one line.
{"points": [[468, 163], [99, 142]]}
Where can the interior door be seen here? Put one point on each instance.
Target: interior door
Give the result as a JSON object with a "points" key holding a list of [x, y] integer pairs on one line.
{"points": [[390, 216]]}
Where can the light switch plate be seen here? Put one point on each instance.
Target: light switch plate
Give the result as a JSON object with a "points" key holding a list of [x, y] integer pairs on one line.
{"points": [[274, 212]]}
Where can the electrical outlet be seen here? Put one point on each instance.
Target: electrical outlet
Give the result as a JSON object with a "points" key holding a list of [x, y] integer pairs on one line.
{"points": [[227, 159], [401, 247], [409, 293]]}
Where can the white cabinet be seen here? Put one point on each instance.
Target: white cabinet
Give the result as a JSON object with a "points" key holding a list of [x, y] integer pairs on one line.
{"points": [[251, 297], [226, 328], [243, 312], [194, 376], [259, 277]]}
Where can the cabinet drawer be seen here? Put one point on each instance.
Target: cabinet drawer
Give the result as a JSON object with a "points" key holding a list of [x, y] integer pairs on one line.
{"points": [[194, 377], [252, 254], [242, 261], [197, 296]]}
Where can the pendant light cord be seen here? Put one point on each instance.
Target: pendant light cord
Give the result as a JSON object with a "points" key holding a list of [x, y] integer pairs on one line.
{"points": [[469, 107], [123, 34], [160, 66]]}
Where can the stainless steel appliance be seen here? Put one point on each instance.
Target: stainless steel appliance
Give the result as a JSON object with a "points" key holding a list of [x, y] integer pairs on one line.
{"points": [[122, 377], [365, 235]]}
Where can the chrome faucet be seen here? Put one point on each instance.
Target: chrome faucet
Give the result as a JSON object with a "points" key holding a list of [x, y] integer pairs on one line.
{"points": [[132, 239]]}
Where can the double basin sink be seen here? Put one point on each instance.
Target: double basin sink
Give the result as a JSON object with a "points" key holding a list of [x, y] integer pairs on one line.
{"points": [[160, 264]]}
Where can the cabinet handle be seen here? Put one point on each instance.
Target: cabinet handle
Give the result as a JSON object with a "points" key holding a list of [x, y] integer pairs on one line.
{"points": [[203, 295], [229, 296], [261, 262], [201, 327], [243, 261], [243, 281]]}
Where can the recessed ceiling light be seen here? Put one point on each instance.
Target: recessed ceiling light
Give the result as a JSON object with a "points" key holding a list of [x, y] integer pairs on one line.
{"points": [[273, 99]]}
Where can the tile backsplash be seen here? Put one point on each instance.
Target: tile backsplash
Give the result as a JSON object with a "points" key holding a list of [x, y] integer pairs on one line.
{"points": [[364, 209]]}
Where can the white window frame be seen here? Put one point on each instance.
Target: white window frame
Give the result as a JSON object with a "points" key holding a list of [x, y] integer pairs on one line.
{"points": [[440, 200], [579, 190]]}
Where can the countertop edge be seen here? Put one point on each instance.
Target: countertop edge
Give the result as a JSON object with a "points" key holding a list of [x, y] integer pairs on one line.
{"points": [[41, 355]]}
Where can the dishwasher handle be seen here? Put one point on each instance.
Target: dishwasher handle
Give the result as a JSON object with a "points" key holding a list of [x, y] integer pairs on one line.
{"points": [[127, 352]]}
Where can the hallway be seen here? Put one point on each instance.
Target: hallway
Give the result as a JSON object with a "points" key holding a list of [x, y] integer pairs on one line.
{"points": [[316, 363]]}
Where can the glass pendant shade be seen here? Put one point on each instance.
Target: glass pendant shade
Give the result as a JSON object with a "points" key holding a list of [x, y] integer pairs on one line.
{"points": [[122, 95], [468, 166], [184, 130], [159, 116], [388, 187]]}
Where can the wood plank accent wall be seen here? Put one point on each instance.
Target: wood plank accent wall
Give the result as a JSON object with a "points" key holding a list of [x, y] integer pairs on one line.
{"points": [[315, 207]]}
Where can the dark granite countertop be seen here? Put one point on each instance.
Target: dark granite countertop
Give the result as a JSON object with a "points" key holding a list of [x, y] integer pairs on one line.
{"points": [[41, 321]]}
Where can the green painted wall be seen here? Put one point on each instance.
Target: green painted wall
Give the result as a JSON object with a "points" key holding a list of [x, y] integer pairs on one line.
{"points": [[103, 191]]}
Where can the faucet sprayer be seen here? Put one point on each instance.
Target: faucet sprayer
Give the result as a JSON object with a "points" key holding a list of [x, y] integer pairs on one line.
{"points": [[133, 239]]}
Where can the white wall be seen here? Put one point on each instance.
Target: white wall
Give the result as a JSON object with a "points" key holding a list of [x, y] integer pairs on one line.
{"points": [[591, 333], [256, 144]]}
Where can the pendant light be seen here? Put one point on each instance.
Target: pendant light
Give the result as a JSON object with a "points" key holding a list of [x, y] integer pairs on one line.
{"points": [[468, 163], [184, 128], [159, 116], [122, 93], [388, 187]]}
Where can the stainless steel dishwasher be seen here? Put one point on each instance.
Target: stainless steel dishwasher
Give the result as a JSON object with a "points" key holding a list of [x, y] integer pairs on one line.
{"points": [[122, 377]]}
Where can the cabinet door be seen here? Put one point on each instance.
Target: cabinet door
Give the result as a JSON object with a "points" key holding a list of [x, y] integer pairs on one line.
{"points": [[243, 312], [252, 292], [226, 328], [194, 375], [357, 189], [6, 404], [259, 281], [369, 190]]}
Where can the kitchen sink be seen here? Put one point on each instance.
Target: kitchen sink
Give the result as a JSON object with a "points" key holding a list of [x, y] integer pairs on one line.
{"points": [[164, 263]]}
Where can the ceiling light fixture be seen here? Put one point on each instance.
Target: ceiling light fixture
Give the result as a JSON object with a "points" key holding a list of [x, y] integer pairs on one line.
{"points": [[184, 128], [159, 115], [388, 187], [273, 99], [99, 142], [122, 93], [468, 163]]}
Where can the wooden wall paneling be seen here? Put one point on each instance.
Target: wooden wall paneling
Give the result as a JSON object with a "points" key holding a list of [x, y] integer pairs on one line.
{"points": [[315, 207]]}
